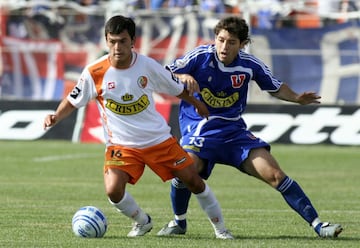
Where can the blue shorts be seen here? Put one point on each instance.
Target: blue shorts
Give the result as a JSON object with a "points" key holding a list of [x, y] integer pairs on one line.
{"points": [[219, 141]]}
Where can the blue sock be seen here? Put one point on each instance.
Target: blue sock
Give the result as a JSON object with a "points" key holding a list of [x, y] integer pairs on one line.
{"points": [[297, 200], [180, 197]]}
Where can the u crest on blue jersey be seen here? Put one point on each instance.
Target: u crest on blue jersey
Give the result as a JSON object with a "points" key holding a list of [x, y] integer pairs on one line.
{"points": [[237, 80]]}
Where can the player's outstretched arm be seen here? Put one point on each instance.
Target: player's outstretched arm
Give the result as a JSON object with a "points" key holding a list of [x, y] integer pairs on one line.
{"points": [[63, 110], [285, 93]]}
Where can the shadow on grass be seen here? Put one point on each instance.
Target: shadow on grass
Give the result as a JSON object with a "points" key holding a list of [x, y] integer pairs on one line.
{"points": [[281, 237], [288, 237]]}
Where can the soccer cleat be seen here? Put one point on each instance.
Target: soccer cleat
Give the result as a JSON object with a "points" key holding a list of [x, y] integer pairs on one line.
{"points": [[140, 230], [328, 230], [226, 234], [172, 228]]}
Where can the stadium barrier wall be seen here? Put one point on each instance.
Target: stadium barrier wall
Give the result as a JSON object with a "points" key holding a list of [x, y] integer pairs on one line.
{"points": [[288, 124], [23, 120]]}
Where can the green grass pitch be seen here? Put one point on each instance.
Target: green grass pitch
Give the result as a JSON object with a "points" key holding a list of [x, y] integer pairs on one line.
{"points": [[43, 183]]}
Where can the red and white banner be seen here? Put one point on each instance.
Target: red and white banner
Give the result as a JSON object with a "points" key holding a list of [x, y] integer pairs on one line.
{"points": [[32, 69]]}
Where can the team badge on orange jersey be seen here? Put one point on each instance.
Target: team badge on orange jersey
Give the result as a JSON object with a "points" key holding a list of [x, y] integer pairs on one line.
{"points": [[142, 81], [111, 85]]}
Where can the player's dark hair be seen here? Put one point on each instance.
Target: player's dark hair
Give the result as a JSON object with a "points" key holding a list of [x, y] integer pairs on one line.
{"points": [[118, 23], [235, 26]]}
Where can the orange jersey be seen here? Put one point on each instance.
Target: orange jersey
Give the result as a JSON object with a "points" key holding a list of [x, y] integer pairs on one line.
{"points": [[125, 99]]}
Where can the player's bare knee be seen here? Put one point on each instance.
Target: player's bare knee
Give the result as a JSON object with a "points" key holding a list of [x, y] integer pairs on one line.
{"points": [[196, 185], [278, 177], [198, 163], [114, 192]]}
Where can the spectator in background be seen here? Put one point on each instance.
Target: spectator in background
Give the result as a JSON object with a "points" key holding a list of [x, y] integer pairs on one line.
{"points": [[87, 2], [346, 6], [327, 9], [302, 15], [187, 4], [137, 4], [15, 26], [39, 22], [157, 4], [84, 22], [214, 6], [44, 23], [265, 13]]}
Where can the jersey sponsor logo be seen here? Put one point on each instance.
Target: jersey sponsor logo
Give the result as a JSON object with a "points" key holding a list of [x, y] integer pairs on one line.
{"points": [[142, 82], [75, 92], [114, 163], [217, 102], [128, 109], [127, 97]]}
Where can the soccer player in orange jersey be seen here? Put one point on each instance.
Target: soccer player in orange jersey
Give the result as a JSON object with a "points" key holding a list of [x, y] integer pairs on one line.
{"points": [[122, 82]]}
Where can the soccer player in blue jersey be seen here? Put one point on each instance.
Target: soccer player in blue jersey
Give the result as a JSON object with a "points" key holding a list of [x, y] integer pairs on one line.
{"points": [[223, 72]]}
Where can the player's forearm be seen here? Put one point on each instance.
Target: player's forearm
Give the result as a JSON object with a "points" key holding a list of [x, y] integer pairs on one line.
{"points": [[285, 93], [63, 110], [200, 106], [185, 95]]}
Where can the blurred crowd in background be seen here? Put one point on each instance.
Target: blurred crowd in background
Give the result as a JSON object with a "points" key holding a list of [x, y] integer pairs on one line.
{"points": [[23, 15], [78, 25]]}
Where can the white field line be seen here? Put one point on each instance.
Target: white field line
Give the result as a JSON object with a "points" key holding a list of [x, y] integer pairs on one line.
{"points": [[64, 157]]}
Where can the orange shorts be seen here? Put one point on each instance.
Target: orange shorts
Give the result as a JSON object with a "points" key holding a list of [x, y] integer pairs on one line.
{"points": [[163, 159]]}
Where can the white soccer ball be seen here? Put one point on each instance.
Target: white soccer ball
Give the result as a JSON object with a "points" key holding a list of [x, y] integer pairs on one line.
{"points": [[89, 222]]}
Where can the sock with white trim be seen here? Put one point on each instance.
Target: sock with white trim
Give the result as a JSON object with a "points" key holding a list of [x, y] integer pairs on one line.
{"points": [[297, 200], [210, 205], [180, 197]]}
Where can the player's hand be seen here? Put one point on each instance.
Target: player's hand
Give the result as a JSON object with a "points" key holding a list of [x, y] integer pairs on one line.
{"points": [[191, 84], [201, 109], [308, 98], [49, 121]]}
